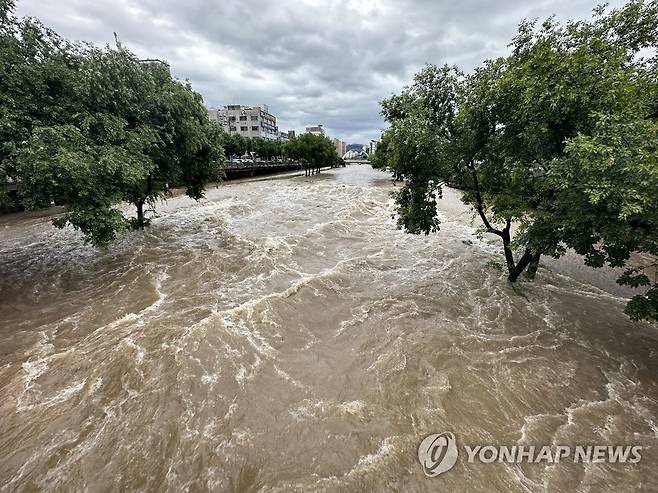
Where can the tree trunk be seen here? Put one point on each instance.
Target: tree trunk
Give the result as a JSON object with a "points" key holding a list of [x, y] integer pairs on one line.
{"points": [[520, 266], [533, 266], [528, 260], [140, 214], [509, 256]]}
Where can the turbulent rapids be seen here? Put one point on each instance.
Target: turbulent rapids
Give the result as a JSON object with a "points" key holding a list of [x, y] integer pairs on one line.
{"points": [[282, 335]]}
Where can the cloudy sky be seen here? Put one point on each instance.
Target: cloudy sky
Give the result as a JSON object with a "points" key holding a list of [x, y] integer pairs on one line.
{"points": [[312, 61]]}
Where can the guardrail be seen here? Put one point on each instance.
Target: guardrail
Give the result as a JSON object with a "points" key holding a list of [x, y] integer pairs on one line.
{"points": [[235, 169]]}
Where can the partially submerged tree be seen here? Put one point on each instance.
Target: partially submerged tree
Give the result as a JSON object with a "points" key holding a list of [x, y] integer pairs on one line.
{"points": [[558, 138], [181, 146], [91, 128]]}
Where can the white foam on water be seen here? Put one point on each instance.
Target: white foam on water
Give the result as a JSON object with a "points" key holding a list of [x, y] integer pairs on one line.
{"points": [[210, 379], [255, 249], [527, 485], [355, 408], [309, 409], [139, 351], [63, 395], [532, 421], [32, 371], [387, 363], [375, 461], [288, 378]]}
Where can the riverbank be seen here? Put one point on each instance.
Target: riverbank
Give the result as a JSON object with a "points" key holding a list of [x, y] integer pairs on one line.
{"points": [[9, 218]]}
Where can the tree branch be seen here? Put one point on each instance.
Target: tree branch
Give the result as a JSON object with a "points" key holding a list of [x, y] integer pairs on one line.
{"points": [[480, 204]]}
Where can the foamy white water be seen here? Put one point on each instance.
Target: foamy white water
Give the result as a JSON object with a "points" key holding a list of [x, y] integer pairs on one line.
{"points": [[283, 335]]}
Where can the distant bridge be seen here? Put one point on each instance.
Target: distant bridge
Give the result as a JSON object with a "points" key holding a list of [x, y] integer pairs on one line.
{"points": [[356, 161]]}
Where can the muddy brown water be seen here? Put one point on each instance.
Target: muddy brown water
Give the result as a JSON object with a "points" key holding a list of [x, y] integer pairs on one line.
{"points": [[282, 335]]}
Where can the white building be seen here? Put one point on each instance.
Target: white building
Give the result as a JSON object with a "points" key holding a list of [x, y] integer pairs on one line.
{"points": [[248, 121], [315, 130], [286, 136]]}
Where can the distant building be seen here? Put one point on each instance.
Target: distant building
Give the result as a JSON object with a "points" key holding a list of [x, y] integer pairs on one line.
{"points": [[315, 130], [248, 121], [341, 146], [286, 136], [373, 147]]}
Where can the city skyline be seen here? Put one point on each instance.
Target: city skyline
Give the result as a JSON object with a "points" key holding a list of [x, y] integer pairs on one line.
{"points": [[314, 61]]}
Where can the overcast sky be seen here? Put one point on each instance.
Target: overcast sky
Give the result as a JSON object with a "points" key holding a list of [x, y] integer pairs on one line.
{"points": [[312, 61]]}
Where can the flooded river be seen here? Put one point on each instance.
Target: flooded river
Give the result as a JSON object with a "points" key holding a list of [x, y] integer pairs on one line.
{"points": [[282, 335]]}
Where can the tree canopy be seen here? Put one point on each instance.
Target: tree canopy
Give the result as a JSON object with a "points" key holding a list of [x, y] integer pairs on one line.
{"points": [[314, 151], [91, 128], [558, 138]]}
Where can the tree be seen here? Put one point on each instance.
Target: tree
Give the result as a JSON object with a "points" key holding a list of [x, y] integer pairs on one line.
{"points": [[38, 85], [234, 145], [168, 117], [91, 128], [89, 176], [383, 155], [256, 145], [379, 158], [558, 138], [314, 151], [339, 162], [270, 149]]}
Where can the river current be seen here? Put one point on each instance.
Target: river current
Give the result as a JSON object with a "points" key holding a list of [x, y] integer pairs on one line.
{"points": [[283, 335]]}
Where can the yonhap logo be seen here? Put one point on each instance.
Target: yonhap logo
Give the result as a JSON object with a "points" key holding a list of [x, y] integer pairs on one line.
{"points": [[438, 453]]}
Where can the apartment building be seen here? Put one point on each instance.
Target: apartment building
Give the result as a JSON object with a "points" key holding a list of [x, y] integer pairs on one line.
{"points": [[341, 146], [286, 136], [248, 121], [315, 130]]}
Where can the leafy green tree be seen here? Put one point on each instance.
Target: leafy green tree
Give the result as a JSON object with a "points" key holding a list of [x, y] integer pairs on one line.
{"points": [[339, 162], [379, 158], [264, 148], [270, 149], [234, 145], [89, 177], [384, 154], [91, 128], [38, 85], [168, 117], [314, 151], [255, 145], [557, 138]]}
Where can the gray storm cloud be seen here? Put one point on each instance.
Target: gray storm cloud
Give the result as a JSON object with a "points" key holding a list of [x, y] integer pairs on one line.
{"points": [[312, 61]]}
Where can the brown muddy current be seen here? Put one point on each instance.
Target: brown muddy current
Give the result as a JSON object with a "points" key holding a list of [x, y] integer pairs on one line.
{"points": [[282, 335]]}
